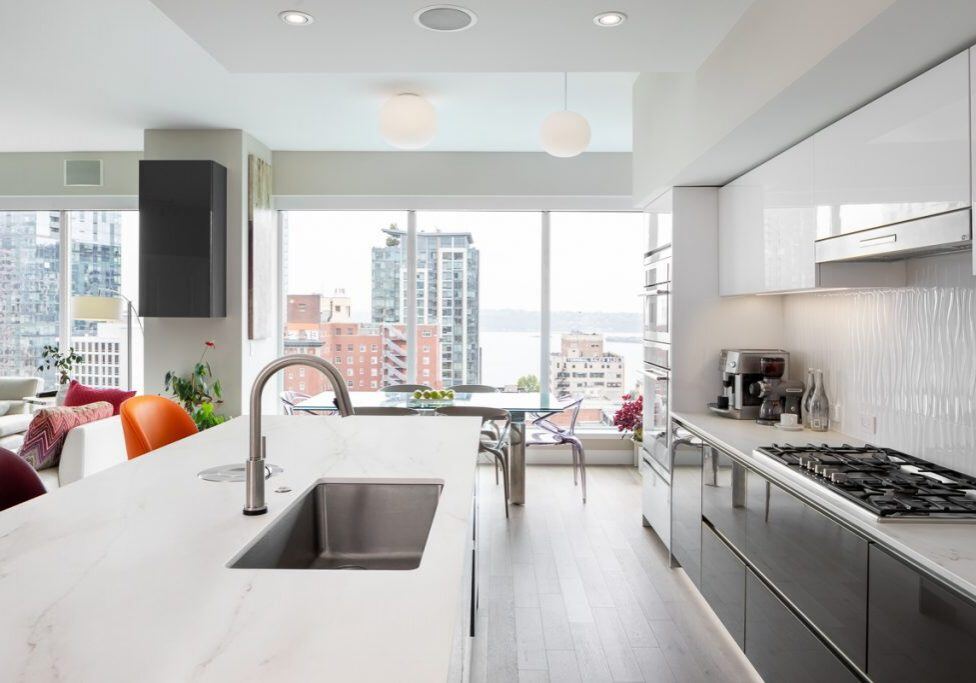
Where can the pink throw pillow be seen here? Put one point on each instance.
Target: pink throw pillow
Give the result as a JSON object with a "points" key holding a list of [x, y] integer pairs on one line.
{"points": [[47, 431], [81, 395]]}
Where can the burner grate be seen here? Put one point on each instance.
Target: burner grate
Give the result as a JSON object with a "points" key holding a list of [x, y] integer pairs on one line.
{"points": [[891, 484]]}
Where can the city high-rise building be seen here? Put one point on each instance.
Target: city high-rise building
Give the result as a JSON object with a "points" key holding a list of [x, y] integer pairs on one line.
{"points": [[582, 367], [30, 296], [447, 295], [369, 356]]}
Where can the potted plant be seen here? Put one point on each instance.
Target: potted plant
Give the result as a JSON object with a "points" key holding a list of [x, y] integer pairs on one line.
{"points": [[630, 418], [63, 363], [200, 393]]}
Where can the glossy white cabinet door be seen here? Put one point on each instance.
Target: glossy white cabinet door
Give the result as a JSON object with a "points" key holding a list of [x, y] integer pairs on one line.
{"points": [[741, 268], [903, 156], [789, 220]]}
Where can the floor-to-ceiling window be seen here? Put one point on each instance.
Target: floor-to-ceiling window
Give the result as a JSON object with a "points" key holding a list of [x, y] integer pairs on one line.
{"points": [[478, 281], [30, 289], [478, 295], [97, 252], [596, 276], [104, 263], [345, 297]]}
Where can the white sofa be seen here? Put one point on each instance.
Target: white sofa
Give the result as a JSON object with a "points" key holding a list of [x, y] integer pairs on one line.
{"points": [[16, 416]]}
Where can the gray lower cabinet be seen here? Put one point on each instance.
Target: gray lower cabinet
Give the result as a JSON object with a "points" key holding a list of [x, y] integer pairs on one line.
{"points": [[781, 647], [723, 583], [686, 508], [818, 564], [918, 630]]}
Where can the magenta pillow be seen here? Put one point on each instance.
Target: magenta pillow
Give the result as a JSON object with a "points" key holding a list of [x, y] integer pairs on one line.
{"points": [[47, 431], [81, 395]]}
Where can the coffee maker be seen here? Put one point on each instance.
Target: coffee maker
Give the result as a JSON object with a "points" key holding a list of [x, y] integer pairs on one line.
{"points": [[741, 368], [778, 395]]}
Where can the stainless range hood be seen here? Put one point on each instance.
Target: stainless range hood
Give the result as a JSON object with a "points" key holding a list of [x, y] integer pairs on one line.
{"points": [[941, 233]]}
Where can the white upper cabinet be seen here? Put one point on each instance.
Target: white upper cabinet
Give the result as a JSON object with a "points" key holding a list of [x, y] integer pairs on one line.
{"points": [[789, 220], [906, 155], [740, 236], [767, 226]]}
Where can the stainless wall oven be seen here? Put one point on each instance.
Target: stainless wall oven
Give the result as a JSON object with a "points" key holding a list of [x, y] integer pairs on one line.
{"points": [[655, 465]]}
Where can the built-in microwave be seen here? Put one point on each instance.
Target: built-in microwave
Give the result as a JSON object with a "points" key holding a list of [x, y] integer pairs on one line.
{"points": [[657, 296]]}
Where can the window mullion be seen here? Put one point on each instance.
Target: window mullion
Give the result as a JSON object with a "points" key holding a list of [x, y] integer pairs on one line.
{"points": [[544, 301], [411, 293], [64, 284]]}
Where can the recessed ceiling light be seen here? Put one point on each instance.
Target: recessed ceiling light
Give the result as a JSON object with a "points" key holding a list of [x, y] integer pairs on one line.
{"points": [[293, 17], [608, 19], [445, 18]]}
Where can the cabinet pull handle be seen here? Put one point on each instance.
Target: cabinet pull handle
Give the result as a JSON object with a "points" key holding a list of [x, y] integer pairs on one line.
{"points": [[882, 239]]}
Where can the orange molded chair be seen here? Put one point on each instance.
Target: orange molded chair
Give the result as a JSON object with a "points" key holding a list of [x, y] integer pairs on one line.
{"points": [[151, 422]]}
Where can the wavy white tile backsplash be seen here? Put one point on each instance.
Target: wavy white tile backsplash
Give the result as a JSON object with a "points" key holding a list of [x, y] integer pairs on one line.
{"points": [[906, 356]]}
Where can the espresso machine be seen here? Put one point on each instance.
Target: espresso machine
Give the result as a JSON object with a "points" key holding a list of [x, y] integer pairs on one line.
{"points": [[778, 395], [741, 369]]}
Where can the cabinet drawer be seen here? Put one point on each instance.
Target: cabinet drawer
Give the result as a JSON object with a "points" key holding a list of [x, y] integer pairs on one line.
{"points": [[723, 495], [815, 562], [723, 584], [656, 501], [686, 480], [919, 630], [781, 647]]}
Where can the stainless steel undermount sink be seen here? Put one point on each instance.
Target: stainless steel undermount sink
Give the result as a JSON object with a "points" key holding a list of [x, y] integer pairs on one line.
{"points": [[349, 524]]}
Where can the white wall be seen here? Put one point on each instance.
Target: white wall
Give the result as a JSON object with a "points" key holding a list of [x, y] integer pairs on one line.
{"points": [[905, 357], [429, 180], [176, 343], [705, 323], [36, 181]]}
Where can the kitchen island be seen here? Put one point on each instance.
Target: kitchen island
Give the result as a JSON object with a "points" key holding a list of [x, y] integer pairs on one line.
{"points": [[123, 576]]}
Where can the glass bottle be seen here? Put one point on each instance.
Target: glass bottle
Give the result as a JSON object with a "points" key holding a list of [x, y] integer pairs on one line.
{"points": [[819, 405], [805, 401]]}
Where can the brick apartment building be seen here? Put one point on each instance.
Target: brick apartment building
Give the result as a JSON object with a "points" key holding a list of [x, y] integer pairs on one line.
{"points": [[370, 356]]}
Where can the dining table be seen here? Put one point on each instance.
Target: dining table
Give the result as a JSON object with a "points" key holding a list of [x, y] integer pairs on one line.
{"points": [[518, 404]]}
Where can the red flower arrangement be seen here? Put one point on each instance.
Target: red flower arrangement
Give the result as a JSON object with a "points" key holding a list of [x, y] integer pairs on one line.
{"points": [[630, 416]]}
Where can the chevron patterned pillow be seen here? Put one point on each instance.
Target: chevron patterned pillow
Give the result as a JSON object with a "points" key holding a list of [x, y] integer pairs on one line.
{"points": [[47, 431]]}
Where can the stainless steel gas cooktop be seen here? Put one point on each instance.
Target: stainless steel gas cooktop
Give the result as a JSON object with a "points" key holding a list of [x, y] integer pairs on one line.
{"points": [[892, 485]]}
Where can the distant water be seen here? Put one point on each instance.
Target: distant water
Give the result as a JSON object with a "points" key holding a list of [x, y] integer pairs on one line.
{"points": [[506, 356]]}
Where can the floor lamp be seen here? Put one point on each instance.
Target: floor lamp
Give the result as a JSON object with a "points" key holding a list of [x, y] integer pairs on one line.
{"points": [[108, 309]]}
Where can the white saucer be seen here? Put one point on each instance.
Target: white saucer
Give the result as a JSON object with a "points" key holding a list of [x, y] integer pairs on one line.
{"points": [[789, 428]]}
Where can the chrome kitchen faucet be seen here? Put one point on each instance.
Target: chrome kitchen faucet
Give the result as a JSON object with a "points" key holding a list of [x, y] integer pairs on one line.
{"points": [[254, 488]]}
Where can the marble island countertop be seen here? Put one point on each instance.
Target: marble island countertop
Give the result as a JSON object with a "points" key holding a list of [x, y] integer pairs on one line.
{"points": [[944, 549], [123, 576]]}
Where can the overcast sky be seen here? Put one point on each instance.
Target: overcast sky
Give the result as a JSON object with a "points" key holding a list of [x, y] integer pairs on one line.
{"points": [[596, 257]]}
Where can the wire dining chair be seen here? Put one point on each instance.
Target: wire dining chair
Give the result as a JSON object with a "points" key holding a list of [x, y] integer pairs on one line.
{"points": [[494, 447], [289, 399]]}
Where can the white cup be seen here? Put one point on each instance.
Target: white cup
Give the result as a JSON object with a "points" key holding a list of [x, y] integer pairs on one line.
{"points": [[788, 420]]}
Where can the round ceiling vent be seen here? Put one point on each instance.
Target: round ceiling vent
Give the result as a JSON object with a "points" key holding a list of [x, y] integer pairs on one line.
{"points": [[445, 18]]}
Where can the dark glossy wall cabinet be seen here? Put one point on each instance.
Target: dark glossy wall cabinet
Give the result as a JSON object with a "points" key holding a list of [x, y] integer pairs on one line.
{"points": [[182, 239], [686, 496], [781, 647], [918, 629]]}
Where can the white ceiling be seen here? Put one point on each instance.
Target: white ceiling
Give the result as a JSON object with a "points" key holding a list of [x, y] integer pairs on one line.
{"points": [[79, 76], [510, 35]]}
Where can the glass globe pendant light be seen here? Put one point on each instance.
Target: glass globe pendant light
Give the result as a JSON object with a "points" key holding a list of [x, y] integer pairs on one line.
{"points": [[565, 133], [408, 121]]}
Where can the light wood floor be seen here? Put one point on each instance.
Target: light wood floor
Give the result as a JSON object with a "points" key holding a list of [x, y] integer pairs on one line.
{"points": [[584, 593]]}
